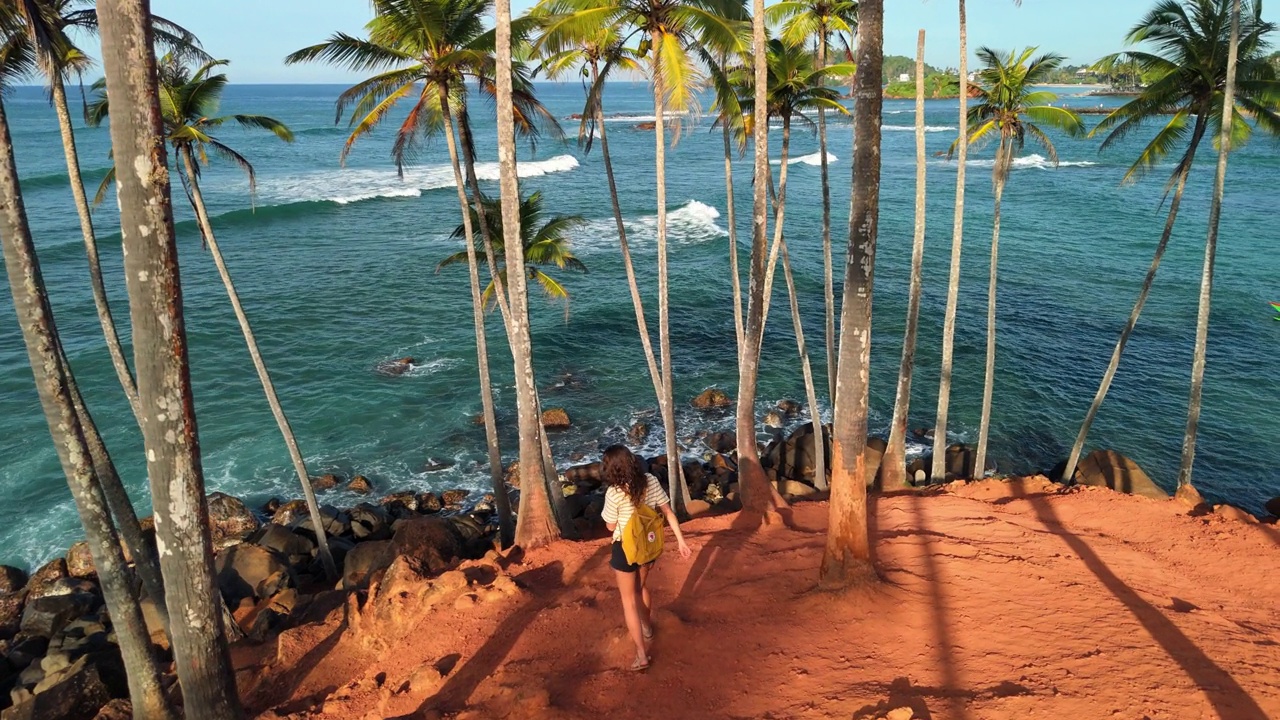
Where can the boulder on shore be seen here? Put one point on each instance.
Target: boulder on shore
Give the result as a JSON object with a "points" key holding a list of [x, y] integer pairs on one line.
{"points": [[1273, 506], [230, 521], [40, 583], [712, 398], [11, 579], [875, 453], [73, 693], [722, 442], [360, 485], [241, 569], [431, 539], [366, 559], [328, 481], [1110, 469], [80, 561], [555, 419], [288, 513], [11, 607], [790, 408]]}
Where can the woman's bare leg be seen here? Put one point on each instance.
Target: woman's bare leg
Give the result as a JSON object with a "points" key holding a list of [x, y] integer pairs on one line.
{"points": [[628, 588], [644, 603]]}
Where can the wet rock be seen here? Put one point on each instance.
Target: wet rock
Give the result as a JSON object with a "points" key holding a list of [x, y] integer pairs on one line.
{"points": [[46, 616], [513, 475], [773, 419], [370, 522], [485, 505], [360, 485], [647, 125], [80, 561], [722, 442], [638, 433], [327, 481], [959, 464], [366, 559], [1108, 468], [240, 569], [789, 408], [229, 520], [585, 478], [1273, 506], [49, 573], [11, 579], [429, 502], [695, 476], [922, 433], [400, 502], [436, 465], [334, 521], [712, 398], [395, 368], [454, 498], [271, 507], [430, 539], [11, 606], [289, 513], [474, 534], [295, 548], [555, 419]]}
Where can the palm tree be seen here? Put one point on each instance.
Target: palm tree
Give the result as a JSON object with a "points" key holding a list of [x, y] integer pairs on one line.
{"points": [[847, 557], [1009, 108], [189, 105], [544, 243], [800, 21], [1188, 66], [49, 24], [169, 433], [58, 398], [669, 29], [893, 471], [729, 119], [1185, 489], [794, 87]]}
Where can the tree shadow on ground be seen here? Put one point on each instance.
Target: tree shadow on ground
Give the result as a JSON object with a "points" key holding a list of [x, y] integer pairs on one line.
{"points": [[941, 624], [1228, 698], [295, 677]]}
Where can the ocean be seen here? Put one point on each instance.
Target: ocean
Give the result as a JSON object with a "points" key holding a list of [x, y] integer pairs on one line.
{"points": [[337, 268]]}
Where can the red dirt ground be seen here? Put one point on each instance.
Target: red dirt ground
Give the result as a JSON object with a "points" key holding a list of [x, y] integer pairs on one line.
{"points": [[999, 600]]}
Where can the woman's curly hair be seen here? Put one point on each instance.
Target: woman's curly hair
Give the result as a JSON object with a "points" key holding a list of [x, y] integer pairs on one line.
{"points": [[622, 470]]}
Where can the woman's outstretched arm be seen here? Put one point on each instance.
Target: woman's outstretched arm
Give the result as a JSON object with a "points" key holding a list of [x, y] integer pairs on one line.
{"points": [[674, 522]]}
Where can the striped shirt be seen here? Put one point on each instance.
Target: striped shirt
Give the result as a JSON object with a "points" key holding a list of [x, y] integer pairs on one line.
{"points": [[619, 509]]}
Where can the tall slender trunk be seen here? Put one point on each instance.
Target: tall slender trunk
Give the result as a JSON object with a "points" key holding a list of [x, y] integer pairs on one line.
{"points": [[169, 432], [502, 501], [1069, 470], [1185, 488], [732, 218], [828, 282], [537, 523], [1004, 157], [757, 496], [40, 335], [675, 471], [893, 470], [939, 468], [268, 388], [847, 559], [96, 284], [637, 303]]}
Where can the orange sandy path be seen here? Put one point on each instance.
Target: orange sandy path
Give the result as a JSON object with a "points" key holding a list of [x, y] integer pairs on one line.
{"points": [[999, 602]]}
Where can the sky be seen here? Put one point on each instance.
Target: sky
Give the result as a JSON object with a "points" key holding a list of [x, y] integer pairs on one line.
{"points": [[255, 35]]}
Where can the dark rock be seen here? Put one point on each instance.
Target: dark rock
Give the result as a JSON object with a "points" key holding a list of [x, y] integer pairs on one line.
{"points": [[485, 505], [47, 615], [289, 513], [366, 559], [429, 502], [400, 504], [454, 498], [240, 569], [587, 476], [360, 485], [370, 522], [431, 539], [657, 467], [712, 398], [11, 579], [271, 507], [795, 458], [875, 453], [296, 548], [333, 520], [1108, 468], [695, 476], [80, 561], [555, 419], [638, 433], [647, 125], [69, 586], [327, 481], [1272, 506], [51, 572], [513, 475], [393, 368], [118, 709], [789, 408], [75, 693], [773, 419], [435, 465], [923, 433], [229, 520], [722, 442], [26, 651], [475, 537], [11, 605]]}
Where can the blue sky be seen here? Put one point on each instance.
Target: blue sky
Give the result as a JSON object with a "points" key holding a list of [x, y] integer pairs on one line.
{"points": [[255, 35]]}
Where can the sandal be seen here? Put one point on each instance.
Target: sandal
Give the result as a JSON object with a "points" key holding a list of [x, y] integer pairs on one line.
{"points": [[638, 666]]}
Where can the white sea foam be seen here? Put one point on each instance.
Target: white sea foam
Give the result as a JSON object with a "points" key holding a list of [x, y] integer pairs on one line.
{"points": [[911, 128], [430, 367], [349, 185], [1036, 161], [814, 159]]}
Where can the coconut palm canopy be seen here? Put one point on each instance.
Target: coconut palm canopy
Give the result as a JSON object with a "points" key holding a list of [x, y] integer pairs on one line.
{"points": [[1009, 106], [1189, 63], [795, 87], [801, 20], [545, 244]]}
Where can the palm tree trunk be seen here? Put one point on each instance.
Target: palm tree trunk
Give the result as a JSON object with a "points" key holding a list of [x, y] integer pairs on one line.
{"points": [[1185, 489], [537, 523], [828, 283], [39, 333], [1069, 470], [502, 502], [1004, 157], [99, 289], [169, 430], [757, 495], [893, 470], [847, 559], [732, 218], [939, 469], [675, 472], [299, 465]]}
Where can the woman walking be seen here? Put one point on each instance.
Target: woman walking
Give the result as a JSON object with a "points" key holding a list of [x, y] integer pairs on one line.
{"points": [[629, 486]]}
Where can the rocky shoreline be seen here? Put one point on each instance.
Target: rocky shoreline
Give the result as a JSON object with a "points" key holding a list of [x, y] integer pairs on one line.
{"points": [[60, 655]]}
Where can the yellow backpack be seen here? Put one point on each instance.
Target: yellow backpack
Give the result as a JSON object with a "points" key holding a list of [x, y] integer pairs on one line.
{"points": [[642, 535]]}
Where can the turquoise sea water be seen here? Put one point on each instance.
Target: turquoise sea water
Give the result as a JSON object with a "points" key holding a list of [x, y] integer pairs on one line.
{"points": [[337, 269]]}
